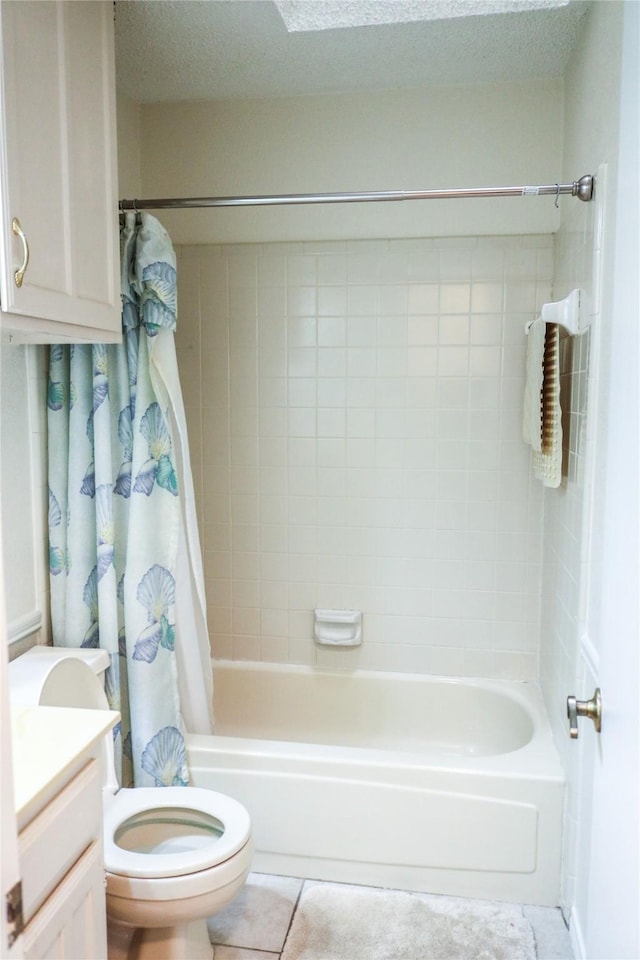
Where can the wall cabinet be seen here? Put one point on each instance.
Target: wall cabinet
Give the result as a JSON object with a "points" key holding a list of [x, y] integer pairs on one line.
{"points": [[58, 172]]}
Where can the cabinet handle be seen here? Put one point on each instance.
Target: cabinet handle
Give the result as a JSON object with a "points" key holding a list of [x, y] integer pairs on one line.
{"points": [[22, 269]]}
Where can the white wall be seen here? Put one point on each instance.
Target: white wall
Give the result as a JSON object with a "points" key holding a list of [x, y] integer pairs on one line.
{"points": [[129, 159], [432, 137], [24, 494]]}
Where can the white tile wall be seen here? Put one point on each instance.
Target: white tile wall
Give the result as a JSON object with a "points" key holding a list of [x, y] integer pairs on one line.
{"points": [[354, 412]]}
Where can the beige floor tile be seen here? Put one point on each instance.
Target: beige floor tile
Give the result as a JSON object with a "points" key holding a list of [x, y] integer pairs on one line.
{"points": [[259, 917], [552, 937], [239, 953]]}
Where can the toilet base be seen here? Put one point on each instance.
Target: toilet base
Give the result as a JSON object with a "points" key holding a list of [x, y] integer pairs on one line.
{"points": [[185, 940]]}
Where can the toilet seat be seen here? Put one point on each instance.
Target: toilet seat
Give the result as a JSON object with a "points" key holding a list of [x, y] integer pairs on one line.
{"points": [[222, 829], [172, 855]]}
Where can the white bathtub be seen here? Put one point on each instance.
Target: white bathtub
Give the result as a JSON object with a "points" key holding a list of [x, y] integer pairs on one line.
{"points": [[412, 782]]}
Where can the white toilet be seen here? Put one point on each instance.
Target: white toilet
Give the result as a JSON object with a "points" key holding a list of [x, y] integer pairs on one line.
{"points": [[173, 855]]}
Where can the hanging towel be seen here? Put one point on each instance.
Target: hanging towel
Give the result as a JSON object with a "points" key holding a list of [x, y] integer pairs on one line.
{"points": [[531, 417], [542, 415], [547, 464]]}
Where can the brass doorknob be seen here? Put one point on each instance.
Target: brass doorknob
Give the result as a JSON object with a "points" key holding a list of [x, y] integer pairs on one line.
{"points": [[584, 708]]}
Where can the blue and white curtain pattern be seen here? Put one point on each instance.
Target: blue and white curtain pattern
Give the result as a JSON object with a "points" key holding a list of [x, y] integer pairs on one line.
{"points": [[125, 565]]}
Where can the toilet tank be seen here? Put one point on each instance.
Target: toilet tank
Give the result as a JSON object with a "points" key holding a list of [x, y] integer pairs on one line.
{"points": [[64, 677], [59, 677]]}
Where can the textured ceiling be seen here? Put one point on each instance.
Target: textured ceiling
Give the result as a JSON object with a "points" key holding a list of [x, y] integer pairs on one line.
{"points": [[329, 14], [170, 50]]}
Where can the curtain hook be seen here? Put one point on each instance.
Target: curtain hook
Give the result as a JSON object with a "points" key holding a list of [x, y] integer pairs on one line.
{"points": [[138, 216], [556, 204]]}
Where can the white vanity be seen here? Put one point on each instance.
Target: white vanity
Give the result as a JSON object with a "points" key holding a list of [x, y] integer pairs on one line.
{"points": [[58, 799]]}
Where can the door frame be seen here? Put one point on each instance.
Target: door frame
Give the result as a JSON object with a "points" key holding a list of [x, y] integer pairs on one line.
{"points": [[9, 863]]}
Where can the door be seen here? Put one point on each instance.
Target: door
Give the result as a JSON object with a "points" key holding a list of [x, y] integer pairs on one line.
{"points": [[607, 905], [9, 867]]}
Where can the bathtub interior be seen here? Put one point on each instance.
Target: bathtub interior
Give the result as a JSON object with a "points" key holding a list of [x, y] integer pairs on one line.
{"points": [[368, 709]]}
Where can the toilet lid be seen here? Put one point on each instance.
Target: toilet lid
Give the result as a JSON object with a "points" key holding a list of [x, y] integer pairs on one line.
{"points": [[152, 832]]}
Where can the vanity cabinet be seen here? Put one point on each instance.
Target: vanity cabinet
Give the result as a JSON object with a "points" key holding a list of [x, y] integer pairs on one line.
{"points": [[62, 872], [72, 924], [59, 256], [58, 768]]}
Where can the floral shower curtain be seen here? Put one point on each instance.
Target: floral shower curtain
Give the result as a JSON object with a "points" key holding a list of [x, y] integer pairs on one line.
{"points": [[124, 556]]}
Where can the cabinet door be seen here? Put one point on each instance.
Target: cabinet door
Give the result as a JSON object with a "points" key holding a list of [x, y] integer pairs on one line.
{"points": [[59, 167], [72, 923]]}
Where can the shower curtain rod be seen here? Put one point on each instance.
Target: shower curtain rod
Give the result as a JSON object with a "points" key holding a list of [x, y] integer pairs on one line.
{"points": [[582, 188]]}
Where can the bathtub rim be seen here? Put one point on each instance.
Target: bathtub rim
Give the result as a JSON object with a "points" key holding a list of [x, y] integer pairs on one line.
{"points": [[536, 759]]}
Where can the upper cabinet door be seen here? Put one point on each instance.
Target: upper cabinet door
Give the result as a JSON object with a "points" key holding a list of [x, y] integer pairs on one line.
{"points": [[58, 189]]}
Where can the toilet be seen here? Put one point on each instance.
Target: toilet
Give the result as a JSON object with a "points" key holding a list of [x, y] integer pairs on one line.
{"points": [[173, 855]]}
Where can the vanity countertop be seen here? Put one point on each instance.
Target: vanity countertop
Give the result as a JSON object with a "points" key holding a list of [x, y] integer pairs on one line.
{"points": [[48, 745]]}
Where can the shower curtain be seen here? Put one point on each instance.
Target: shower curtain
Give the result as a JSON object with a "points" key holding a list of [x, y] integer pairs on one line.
{"points": [[124, 556]]}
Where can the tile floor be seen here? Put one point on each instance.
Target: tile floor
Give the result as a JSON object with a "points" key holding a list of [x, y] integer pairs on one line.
{"points": [[255, 925]]}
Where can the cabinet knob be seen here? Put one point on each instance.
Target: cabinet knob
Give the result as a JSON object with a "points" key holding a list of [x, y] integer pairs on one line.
{"points": [[22, 269]]}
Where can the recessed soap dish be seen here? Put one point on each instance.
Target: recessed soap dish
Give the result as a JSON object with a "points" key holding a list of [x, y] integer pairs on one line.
{"points": [[338, 628]]}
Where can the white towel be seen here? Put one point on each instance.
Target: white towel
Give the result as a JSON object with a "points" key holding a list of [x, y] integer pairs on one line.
{"points": [[547, 464], [542, 415], [532, 412]]}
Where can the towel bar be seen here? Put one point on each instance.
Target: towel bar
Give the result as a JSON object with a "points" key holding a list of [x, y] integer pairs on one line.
{"points": [[569, 313]]}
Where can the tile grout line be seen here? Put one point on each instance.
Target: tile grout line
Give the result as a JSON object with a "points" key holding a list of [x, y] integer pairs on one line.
{"points": [[293, 913]]}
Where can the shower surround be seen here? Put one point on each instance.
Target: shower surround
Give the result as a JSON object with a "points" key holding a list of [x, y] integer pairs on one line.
{"points": [[354, 413]]}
